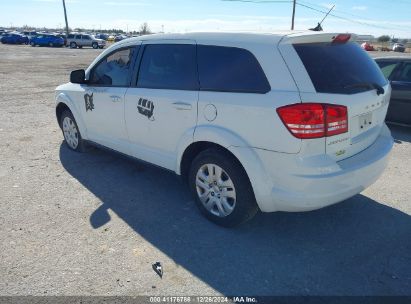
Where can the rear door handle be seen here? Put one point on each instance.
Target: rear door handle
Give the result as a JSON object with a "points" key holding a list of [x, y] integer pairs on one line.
{"points": [[115, 98], [182, 105]]}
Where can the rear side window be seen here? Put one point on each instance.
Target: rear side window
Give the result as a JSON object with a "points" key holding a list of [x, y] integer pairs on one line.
{"points": [[230, 69], [169, 66], [70, 36], [339, 68], [387, 67], [78, 37], [405, 73]]}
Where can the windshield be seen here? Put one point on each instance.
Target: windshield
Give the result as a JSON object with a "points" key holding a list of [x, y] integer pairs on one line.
{"points": [[339, 67]]}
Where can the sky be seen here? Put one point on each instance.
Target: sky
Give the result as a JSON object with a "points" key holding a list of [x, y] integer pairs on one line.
{"points": [[374, 17]]}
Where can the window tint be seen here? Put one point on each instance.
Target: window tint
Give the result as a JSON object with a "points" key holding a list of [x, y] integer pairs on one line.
{"points": [[78, 37], [387, 67], [169, 66], [114, 69], [405, 73], [337, 67], [230, 69], [70, 36]]}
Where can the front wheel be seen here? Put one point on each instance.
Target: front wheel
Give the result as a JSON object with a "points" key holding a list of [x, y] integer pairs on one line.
{"points": [[95, 45], [221, 188], [51, 44], [32, 44], [73, 45], [71, 132]]}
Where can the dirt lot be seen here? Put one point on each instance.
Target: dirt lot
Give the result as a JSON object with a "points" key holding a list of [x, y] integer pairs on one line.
{"points": [[92, 224]]}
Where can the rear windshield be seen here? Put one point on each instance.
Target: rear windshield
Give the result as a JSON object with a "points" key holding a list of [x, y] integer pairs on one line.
{"points": [[342, 68]]}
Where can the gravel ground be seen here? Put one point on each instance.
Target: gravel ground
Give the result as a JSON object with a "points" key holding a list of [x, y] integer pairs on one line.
{"points": [[94, 223]]}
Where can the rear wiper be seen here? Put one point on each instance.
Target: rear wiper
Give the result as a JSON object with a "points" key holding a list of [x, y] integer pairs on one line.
{"points": [[368, 85]]}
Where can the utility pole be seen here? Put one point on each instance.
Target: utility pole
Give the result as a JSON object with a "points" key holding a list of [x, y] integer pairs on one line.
{"points": [[65, 17], [292, 20]]}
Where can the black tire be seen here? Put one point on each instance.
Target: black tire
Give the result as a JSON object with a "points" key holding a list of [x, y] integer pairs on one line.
{"points": [[51, 44], [101, 47], [73, 45], [32, 44], [245, 206], [81, 146], [95, 45], [80, 46]]}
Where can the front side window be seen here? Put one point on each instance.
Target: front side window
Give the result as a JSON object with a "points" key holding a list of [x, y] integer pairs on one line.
{"points": [[70, 36], [169, 66], [230, 69], [78, 37], [114, 69]]}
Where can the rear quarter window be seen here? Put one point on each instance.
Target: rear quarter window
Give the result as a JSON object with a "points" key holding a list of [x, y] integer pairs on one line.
{"points": [[338, 67], [230, 69]]}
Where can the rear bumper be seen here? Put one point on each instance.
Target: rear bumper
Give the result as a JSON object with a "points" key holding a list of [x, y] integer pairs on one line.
{"points": [[303, 184]]}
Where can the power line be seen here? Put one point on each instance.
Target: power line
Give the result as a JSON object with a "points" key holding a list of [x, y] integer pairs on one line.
{"points": [[260, 1], [347, 19], [308, 5]]}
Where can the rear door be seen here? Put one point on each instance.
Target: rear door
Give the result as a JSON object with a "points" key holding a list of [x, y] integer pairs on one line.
{"points": [[162, 106], [400, 106], [86, 40], [331, 70]]}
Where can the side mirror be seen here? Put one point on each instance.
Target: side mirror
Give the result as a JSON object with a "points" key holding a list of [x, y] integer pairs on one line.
{"points": [[78, 76]]}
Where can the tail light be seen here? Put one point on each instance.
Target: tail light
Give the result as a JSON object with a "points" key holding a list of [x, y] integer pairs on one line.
{"points": [[314, 120]]}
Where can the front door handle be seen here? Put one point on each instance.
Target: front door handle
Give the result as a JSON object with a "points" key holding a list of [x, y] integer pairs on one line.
{"points": [[182, 105], [115, 98]]}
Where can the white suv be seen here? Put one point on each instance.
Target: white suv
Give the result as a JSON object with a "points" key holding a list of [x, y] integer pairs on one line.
{"points": [[270, 122]]}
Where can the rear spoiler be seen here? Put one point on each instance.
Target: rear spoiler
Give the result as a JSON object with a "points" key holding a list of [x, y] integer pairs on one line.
{"points": [[315, 37]]}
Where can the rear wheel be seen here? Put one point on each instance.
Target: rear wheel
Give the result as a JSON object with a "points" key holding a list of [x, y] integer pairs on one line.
{"points": [[71, 132], [95, 45], [73, 45], [221, 188]]}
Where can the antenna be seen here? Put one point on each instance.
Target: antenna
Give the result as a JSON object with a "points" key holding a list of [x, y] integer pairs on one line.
{"points": [[319, 28]]}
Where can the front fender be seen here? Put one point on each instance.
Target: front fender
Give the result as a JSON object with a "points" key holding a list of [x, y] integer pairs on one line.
{"points": [[63, 98]]}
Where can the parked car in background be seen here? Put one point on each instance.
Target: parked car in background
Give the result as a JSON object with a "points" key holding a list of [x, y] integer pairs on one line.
{"points": [[80, 40], [119, 38], [398, 47], [14, 38], [47, 40], [111, 38], [30, 34], [64, 37], [398, 71], [251, 121], [367, 46], [102, 36]]}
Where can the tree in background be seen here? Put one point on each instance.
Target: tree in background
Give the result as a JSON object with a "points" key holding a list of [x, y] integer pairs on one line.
{"points": [[384, 38], [144, 29]]}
